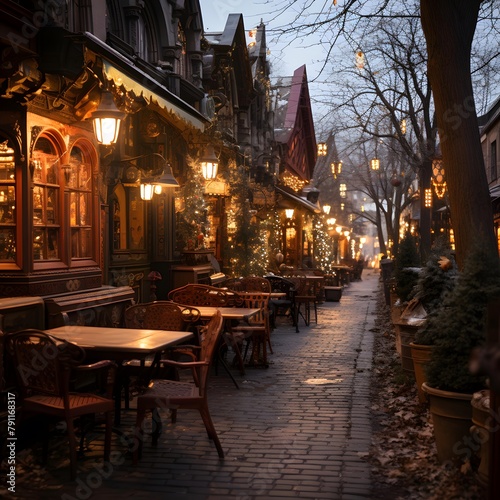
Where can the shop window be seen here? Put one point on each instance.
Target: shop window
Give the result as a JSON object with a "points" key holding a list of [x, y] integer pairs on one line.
{"points": [[7, 204], [46, 201]]}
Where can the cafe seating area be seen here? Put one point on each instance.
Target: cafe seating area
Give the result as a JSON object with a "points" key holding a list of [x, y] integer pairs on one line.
{"points": [[196, 327]]}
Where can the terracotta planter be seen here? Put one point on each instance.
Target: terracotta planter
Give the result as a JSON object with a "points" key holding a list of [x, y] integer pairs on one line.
{"points": [[420, 354], [482, 420], [451, 414], [405, 334]]}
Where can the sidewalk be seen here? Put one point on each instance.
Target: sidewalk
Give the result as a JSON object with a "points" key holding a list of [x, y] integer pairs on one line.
{"points": [[299, 429]]}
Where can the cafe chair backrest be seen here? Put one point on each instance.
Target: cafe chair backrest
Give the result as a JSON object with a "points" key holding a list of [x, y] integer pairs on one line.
{"points": [[205, 295], [161, 315], [42, 363], [255, 284]]}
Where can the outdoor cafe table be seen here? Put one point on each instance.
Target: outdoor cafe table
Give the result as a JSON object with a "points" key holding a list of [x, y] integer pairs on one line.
{"points": [[120, 344], [229, 314]]}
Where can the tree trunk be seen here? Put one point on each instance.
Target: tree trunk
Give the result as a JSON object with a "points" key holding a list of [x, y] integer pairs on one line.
{"points": [[449, 27]]}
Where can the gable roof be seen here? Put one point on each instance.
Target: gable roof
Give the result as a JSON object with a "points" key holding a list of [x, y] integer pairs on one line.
{"points": [[294, 124]]}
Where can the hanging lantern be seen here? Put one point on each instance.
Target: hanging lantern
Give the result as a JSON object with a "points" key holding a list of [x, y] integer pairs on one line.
{"points": [[375, 164], [438, 177], [360, 59], [147, 191], [106, 120], [209, 163]]}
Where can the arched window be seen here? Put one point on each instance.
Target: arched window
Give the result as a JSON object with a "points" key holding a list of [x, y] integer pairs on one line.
{"points": [[46, 200], [7, 203], [79, 184], [63, 210]]}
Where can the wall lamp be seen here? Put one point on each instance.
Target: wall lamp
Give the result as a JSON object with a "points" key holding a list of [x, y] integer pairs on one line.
{"points": [[326, 209], [209, 163], [106, 120], [289, 213], [154, 179]]}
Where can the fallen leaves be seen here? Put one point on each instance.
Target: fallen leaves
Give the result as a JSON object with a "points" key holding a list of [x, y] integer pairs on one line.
{"points": [[403, 453]]}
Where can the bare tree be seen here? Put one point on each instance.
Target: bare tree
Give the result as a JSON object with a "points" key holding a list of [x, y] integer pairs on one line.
{"points": [[449, 28]]}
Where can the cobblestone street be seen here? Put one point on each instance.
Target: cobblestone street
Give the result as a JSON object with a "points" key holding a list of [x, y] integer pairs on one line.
{"points": [[299, 429]]}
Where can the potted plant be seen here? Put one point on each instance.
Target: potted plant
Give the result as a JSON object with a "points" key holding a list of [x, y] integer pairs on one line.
{"points": [[406, 272], [406, 267], [436, 279], [456, 329]]}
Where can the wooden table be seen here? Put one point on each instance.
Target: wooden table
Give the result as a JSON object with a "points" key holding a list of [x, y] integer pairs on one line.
{"points": [[228, 313], [272, 295], [120, 344]]}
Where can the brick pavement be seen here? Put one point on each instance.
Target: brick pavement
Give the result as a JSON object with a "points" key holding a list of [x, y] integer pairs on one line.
{"points": [[299, 429]]}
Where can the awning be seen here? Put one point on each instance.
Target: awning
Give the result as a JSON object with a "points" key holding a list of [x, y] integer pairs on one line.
{"points": [[299, 200], [495, 193], [123, 73]]}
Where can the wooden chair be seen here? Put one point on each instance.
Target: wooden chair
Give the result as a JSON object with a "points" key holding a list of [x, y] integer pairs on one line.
{"points": [[255, 284], [158, 315], [178, 395], [204, 295], [161, 315], [287, 303], [232, 284], [45, 366], [306, 295], [257, 331]]}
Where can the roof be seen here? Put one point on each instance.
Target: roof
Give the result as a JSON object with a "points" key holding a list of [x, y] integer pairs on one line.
{"points": [[295, 198], [294, 126]]}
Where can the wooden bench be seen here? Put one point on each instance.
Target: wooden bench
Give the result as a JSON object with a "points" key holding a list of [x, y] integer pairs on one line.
{"points": [[97, 307]]}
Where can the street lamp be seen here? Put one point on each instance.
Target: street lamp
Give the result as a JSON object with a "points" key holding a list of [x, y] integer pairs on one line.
{"points": [[106, 120], [326, 209], [209, 163], [375, 164], [322, 149], [153, 180], [289, 213]]}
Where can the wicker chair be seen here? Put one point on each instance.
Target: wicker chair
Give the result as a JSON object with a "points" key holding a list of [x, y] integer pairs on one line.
{"points": [[49, 366], [158, 315], [255, 284], [177, 395], [257, 331], [204, 295]]}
